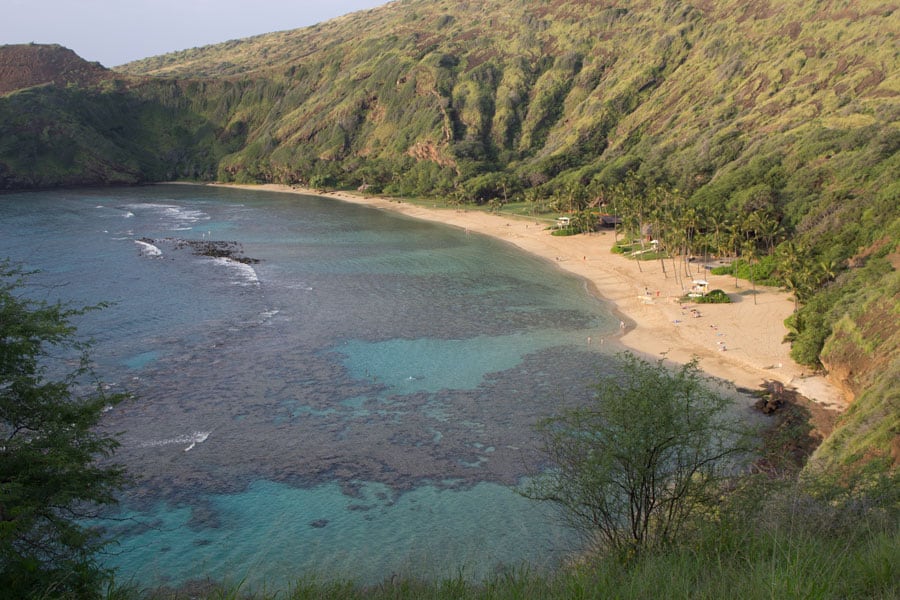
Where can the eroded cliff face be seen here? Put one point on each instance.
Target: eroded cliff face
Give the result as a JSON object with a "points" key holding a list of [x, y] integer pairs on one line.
{"points": [[27, 65], [862, 357], [866, 339]]}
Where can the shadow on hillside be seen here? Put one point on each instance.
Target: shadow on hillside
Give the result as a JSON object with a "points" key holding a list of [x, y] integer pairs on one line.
{"points": [[797, 427]]}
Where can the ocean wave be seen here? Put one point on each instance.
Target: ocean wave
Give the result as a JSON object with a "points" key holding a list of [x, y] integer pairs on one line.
{"points": [[299, 286], [185, 215], [246, 272], [198, 437], [148, 249], [177, 218], [267, 315]]}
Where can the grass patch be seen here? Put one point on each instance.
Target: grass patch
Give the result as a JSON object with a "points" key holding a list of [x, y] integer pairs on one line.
{"points": [[636, 251], [761, 272], [565, 232]]}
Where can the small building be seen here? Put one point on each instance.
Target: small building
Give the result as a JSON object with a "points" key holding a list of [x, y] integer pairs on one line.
{"points": [[610, 221], [700, 288]]}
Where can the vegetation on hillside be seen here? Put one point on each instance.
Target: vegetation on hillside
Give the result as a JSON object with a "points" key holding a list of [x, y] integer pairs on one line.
{"points": [[785, 113], [49, 475], [765, 132]]}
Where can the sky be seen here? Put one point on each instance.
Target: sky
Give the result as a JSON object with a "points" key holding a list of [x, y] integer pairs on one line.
{"points": [[114, 32]]}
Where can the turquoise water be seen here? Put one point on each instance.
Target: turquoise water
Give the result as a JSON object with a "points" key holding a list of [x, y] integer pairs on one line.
{"points": [[275, 528], [430, 365], [139, 361], [349, 393]]}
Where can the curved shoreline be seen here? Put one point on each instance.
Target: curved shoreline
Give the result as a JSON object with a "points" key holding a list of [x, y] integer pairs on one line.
{"points": [[739, 342]]}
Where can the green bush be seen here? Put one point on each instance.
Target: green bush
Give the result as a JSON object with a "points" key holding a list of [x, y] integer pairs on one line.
{"points": [[53, 458], [713, 297], [635, 466], [564, 232], [761, 272]]}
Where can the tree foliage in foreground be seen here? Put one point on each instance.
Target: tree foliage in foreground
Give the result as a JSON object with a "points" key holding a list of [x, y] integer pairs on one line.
{"points": [[49, 476], [652, 449]]}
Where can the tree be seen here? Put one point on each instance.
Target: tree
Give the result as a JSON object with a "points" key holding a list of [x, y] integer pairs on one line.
{"points": [[651, 450], [320, 182], [793, 260], [735, 237], [49, 474], [748, 252], [584, 221]]}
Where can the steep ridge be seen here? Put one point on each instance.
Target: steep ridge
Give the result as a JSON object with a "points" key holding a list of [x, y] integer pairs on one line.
{"points": [[571, 79], [786, 111], [23, 66]]}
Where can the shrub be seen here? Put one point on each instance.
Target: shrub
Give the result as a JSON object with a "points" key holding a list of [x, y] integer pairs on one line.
{"points": [[651, 450], [713, 297]]}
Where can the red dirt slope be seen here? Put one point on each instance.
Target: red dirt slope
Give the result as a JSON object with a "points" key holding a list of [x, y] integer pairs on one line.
{"points": [[27, 65]]}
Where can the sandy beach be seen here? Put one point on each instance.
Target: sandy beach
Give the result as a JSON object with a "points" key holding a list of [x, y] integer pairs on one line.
{"points": [[739, 342]]}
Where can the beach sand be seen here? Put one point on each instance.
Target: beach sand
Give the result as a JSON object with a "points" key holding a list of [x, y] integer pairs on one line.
{"points": [[739, 342]]}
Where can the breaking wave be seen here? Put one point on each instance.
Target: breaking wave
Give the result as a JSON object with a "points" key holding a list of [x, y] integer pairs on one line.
{"points": [[175, 218], [148, 249], [246, 274], [198, 437]]}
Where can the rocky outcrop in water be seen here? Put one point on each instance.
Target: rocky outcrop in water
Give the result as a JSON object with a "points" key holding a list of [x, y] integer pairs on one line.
{"points": [[212, 248]]}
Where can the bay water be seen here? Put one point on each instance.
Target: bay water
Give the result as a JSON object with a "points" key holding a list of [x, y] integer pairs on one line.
{"points": [[319, 388]]}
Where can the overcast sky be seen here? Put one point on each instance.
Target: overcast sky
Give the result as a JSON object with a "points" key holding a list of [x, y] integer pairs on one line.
{"points": [[114, 32]]}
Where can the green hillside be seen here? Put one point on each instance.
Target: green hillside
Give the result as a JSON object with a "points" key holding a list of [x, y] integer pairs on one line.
{"points": [[741, 127]]}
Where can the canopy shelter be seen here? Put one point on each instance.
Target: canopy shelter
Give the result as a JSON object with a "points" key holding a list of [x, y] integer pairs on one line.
{"points": [[699, 288]]}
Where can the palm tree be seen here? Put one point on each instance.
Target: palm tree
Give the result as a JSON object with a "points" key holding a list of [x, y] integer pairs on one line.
{"points": [[658, 216], [748, 251], [677, 241], [734, 236], [795, 283], [768, 228], [689, 224], [575, 195], [531, 199], [792, 258], [629, 207]]}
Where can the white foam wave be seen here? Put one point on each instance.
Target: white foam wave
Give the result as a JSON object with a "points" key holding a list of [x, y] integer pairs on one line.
{"points": [[177, 218], [265, 317], [198, 437], [246, 272], [148, 249], [185, 215]]}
